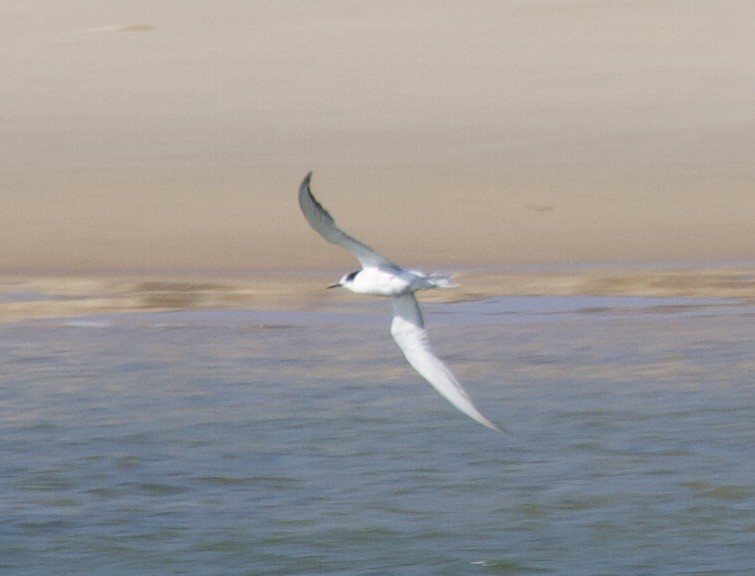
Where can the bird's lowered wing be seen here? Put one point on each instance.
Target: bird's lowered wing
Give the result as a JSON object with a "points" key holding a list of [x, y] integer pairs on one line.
{"points": [[408, 330], [322, 222]]}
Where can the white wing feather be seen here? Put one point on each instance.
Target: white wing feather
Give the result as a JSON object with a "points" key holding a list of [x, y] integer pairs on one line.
{"points": [[322, 222], [408, 330]]}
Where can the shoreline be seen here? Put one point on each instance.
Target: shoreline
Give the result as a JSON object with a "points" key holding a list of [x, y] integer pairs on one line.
{"points": [[32, 296]]}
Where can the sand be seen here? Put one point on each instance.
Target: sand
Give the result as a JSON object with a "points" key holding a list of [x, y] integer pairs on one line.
{"points": [[29, 297], [171, 137]]}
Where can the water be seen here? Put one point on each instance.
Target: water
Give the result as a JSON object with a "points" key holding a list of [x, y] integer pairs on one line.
{"points": [[272, 443]]}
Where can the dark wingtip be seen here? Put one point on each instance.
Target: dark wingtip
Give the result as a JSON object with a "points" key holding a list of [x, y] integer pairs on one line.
{"points": [[305, 194]]}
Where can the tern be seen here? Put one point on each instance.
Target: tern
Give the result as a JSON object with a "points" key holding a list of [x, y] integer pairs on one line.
{"points": [[381, 277]]}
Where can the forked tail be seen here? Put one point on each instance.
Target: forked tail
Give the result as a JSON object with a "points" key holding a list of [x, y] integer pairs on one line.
{"points": [[441, 281]]}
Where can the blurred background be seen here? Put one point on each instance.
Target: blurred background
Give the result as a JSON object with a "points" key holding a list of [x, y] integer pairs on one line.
{"points": [[587, 165], [173, 135]]}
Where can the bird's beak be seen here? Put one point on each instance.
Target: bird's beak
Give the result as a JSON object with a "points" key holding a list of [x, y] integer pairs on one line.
{"points": [[336, 285]]}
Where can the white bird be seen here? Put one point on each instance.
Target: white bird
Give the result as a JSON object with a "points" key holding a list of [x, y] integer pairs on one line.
{"points": [[380, 277]]}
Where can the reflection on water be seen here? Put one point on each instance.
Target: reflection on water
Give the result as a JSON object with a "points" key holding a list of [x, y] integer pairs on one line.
{"points": [[300, 443]]}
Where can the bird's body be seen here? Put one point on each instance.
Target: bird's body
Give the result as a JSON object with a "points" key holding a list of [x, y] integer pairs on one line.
{"points": [[375, 281], [380, 277]]}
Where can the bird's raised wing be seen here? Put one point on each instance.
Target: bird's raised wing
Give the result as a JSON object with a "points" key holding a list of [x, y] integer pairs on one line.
{"points": [[322, 222], [408, 330]]}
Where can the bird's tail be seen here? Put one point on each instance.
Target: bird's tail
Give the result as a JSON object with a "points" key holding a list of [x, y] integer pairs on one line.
{"points": [[441, 281]]}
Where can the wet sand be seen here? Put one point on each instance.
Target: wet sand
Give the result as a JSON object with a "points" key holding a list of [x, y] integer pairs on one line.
{"points": [[26, 297]]}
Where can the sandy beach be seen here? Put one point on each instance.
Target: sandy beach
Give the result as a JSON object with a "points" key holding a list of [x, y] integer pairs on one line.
{"points": [[26, 297], [172, 137]]}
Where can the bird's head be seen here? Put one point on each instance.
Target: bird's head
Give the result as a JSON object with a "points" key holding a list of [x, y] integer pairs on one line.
{"points": [[346, 281]]}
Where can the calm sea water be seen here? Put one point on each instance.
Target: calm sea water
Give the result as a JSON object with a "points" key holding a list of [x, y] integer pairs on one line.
{"points": [[277, 443]]}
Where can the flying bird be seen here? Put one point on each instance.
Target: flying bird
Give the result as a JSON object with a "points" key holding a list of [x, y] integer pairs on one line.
{"points": [[381, 277]]}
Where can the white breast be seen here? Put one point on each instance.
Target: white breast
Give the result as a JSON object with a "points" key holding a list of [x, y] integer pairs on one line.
{"points": [[378, 282]]}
